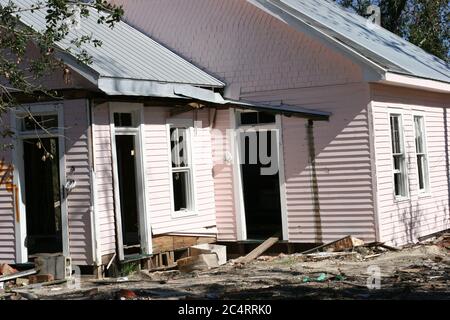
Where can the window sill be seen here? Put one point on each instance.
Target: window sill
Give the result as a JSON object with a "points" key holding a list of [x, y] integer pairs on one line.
{"points": [[183, 214], [425, 195], [401, 199]]}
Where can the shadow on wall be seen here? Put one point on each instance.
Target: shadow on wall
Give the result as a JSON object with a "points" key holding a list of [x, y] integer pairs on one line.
{"points": [[412, 223]]}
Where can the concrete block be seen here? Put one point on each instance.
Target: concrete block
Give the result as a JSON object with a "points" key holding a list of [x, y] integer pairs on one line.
{"points": [[207, 248], [55, 264], [200, 262]]}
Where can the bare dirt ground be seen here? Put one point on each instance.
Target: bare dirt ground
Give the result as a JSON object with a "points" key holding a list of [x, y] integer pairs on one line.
{"points": [[417, 272]]}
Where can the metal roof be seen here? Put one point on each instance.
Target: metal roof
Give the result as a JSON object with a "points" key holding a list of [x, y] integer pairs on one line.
{"points": [[126, 53], [379, 45]]}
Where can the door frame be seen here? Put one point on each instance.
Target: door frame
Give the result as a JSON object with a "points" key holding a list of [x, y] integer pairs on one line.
{"points": [[137, 111], [19, 173], [241, 226]]}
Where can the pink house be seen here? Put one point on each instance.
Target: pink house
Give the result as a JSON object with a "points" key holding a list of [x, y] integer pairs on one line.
{"points": [[243, 87]]}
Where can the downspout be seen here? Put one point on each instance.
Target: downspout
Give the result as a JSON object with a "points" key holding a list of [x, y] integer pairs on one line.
{"points": [[447, 160], [90, 142], [314, 181]]}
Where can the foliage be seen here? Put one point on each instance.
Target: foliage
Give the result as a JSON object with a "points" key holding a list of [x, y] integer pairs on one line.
{"points": [[20, 69]]}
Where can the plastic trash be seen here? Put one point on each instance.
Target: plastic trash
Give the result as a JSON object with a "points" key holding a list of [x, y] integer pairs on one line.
{"points": [[322, 277]]}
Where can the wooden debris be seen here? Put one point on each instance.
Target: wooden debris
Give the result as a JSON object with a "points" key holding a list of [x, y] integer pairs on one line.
{"points": [[258, 251], [372, 256], [113, 280], [17, 275], [328, 255], [6, 269], [382, 245], [348, 242]]}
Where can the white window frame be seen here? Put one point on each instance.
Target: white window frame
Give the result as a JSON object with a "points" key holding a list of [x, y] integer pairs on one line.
{"points": [[191, 190], [137, 113], [19, 171], [425, 167], [404, 154]]}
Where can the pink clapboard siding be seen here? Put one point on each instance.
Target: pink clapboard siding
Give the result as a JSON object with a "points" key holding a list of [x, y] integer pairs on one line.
{"points": [[7, 217], [223, 178], [404, 221], [104, 191], [79, 199], [343, 164]]}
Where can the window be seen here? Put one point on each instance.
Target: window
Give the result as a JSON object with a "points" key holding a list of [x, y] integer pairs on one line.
{"points": [[421, 153], [249, 118], [123, 119], [181, 169], [398, 155], [39, 122]]}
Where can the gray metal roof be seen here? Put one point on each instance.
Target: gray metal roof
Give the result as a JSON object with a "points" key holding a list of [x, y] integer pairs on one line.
{"points": [[126, 53], [375, 43]]}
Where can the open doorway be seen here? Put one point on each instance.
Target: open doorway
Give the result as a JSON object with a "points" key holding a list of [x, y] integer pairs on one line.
{"points": [[260, 188], [133, 235], [43, 195], [126, 169]]}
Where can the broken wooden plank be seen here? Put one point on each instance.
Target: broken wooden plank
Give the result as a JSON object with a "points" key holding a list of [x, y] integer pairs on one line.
{"points": [[17, 275], [389, 247], [347, 242], [258, 250]]}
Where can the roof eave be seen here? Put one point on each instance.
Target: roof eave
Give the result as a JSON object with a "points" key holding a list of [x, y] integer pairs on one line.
{"points": [[409, 81]]}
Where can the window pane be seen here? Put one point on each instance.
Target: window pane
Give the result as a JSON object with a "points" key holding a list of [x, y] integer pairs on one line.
{"points": [[123, 119], [397, 162], [421, 171], [266, 117], [178, 145], [40, 122], [395, 129], [398, 184], [180, 190], [249, 118], [256, 117], [420, 138]]}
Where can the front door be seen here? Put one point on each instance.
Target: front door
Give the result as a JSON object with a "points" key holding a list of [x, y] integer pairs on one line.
{"points": [[261, 188], [42, 195], [126, 169]]}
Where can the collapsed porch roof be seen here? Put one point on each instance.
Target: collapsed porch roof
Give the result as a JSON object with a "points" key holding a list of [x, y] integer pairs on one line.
{"points": [[216, 99]]}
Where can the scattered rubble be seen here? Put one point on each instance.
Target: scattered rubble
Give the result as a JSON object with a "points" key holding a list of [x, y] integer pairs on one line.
{"points": [[344, 270]]}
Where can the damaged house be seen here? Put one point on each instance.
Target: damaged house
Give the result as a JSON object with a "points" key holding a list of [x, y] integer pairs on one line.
{"points": [[208, 120]]}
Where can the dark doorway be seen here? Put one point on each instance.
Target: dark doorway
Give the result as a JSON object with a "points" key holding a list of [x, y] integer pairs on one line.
{"points": [[42, 195], [126, 169], [261, 192]]}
